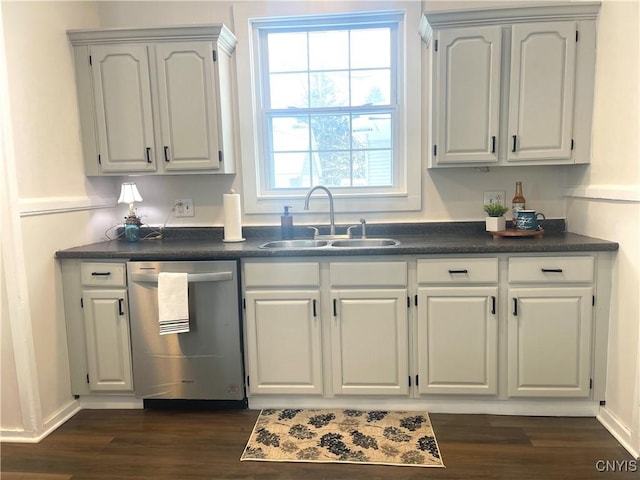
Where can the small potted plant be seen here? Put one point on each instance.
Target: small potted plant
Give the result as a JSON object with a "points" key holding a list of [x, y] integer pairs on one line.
{"points": [[496, 220]]}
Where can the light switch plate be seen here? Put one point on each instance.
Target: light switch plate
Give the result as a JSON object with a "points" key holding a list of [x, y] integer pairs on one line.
{"points": [[497, 196], [184, 208]]}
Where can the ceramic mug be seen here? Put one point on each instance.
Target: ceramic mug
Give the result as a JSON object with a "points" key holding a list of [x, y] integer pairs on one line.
{"points": [[529, 220]]}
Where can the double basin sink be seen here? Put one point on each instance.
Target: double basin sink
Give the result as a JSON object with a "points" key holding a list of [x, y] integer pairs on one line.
{"points": [[342, 243]]}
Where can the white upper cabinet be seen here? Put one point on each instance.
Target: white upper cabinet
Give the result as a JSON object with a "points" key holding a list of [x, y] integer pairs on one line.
{"points": [[155, 100], [187, 97], [123, 113], [511, 86], [541, 93], [467, 113]]}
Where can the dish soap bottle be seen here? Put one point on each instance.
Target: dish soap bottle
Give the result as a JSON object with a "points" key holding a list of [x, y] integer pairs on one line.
{"points": [[517, 203], [286, 224]]}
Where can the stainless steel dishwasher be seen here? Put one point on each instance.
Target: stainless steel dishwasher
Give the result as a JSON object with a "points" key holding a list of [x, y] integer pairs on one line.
{"points": [[202, 364]]}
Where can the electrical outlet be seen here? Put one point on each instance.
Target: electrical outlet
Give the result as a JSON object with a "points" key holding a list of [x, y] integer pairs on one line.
{"points": [[184, 208], [494, 197]]}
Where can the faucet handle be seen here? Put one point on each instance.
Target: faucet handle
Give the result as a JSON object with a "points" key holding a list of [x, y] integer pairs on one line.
{"points": [[363, 228], [316, 232]]}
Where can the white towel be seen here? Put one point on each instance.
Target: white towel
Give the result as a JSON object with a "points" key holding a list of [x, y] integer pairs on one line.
{"points": [[173, 302]]}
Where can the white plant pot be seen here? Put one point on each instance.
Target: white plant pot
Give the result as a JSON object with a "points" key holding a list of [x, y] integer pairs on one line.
{"points": [[496, 224]]}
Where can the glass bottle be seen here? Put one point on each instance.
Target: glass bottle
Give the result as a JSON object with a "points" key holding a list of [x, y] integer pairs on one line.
{"points": [[517, 203]]}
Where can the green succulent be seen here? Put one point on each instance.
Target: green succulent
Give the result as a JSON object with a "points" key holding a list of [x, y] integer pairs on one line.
{"points": [[495, 209]]}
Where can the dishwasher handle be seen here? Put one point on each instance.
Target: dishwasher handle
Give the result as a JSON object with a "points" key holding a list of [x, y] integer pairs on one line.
{"points": [[191, 277]]}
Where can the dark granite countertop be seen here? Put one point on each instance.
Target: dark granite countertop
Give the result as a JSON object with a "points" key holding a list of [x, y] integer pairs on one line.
{"points": [[205, 243]]}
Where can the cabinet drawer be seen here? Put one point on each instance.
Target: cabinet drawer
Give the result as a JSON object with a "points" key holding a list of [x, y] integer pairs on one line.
{"points": [[103, 274], [551, 269], [458, 270], [299, 274], [387, 274]]}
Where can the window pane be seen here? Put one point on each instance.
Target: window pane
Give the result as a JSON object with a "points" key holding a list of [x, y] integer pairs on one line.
{"points": [[329, 89], [371, 131], [371, 48], [377, 169], [288, 90], [330, 132], [287, 52], [329, 50], [291, 170], [335, 169], [290, 134], [370, 87]]}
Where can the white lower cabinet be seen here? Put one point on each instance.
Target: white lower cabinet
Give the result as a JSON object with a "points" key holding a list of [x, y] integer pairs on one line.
{"points": [[457, 340], [457, 326], [108, 342], [283, 335], [97, 321], [369, 327], [549, 346], [346, 334], [549, 326], [369, 342], [509, 330]]}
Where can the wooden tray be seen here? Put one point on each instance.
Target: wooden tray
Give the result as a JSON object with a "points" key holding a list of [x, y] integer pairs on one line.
{"points": [[512, 232]]}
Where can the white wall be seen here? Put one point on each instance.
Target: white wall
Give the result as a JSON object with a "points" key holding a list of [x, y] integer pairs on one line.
{"points": [[53, 208], [606, 204]]}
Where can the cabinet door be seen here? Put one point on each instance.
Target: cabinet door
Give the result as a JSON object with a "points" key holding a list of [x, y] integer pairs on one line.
{"points": [[107, 337], [467, 95], [457, 340], [187, 96], [549, 342], [122, 100], [369, 341], [284, 341], [543, 63]]}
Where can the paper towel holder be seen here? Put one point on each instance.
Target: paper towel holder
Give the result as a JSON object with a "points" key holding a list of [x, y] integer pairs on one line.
{"points": [[232, 214]]}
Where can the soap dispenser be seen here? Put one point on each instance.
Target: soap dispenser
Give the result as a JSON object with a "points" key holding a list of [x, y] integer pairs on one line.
{"points": [[286, 224]]}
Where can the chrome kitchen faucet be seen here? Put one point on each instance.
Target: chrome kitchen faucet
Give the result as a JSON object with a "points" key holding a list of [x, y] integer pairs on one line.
{"points": [[332, 222]]}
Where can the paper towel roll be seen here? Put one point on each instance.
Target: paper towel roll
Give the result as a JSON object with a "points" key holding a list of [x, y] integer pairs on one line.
{"points": [[232, 222]]}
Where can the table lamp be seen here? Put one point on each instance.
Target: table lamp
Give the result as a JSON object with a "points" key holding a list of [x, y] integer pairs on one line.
{"points": [[129, 194]]}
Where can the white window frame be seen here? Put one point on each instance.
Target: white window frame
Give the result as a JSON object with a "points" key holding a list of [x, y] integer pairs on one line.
{"points": [[408, 159]]}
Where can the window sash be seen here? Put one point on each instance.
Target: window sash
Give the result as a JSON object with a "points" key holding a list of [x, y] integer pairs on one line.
{"points": [[266, 175]]}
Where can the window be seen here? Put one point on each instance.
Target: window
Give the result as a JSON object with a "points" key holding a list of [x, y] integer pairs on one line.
{"points": [[329, 102], [328, 106]]}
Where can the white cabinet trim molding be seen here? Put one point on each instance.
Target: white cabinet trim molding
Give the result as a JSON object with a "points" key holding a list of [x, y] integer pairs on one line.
{"points": [[512, 14]]}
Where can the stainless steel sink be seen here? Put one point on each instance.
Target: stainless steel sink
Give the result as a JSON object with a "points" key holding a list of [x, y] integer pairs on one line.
{"points": [[365, 242], [284, 244]]}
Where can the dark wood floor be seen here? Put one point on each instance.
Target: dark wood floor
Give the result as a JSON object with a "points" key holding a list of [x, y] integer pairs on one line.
{"points": [[160, 444]]}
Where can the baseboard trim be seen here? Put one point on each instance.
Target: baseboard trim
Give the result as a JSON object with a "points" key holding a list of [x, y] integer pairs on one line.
{"points": [[559, 408], [619, 431], [49, 427], [96, 402]]}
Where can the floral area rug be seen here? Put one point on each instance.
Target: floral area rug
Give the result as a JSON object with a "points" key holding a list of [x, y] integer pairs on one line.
{"points": [[344, 436]]}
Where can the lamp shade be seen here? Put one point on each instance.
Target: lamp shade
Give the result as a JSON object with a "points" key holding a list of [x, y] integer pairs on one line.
{"points": [[129, 193]]}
